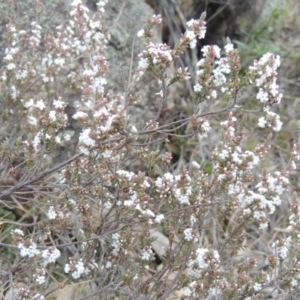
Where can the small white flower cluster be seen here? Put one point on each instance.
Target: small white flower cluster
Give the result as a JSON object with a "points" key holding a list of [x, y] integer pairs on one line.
{"points": [[86, 141], [218, 72], [197, 88], [76, 268], [80, 115], [159, 218], [198, 27], [271, 120], [264, 72], [195, 28], [35, 38], [257, 287], [116, 244], [79, 7], [101, 4], [190, 35], [188, 234], [270, 189], [155, 55], [204, 128], [18, 233], [28, 249], [141, 33], [281, 248], [219, 66], [147, 32], [183, 195], [133, 200], [39, 276], [53, 214], [204, 259], [30, 104], [167, 185], [238, 157], [106, 154], [103, 118], [188, 291], [211, 51], [147, 254], [50, 255], [230, 160]]}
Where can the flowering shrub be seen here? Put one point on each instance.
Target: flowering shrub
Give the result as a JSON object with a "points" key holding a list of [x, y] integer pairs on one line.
{"points": [[93, 217]]}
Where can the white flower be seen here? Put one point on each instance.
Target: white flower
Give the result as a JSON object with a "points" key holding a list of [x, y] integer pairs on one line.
{"points": [[193, 43], [58, 140], [183, 198], [18, 232], [40, 279], [278, 124], [214, 94], [98, 85], [32, 120], [205, 126], [257, 287], [58, 104], [262, 96], [107, 154], [116, 244], [11, 66], [141, 33], [86, 139], [143, 63], [59, 61], [28, 103], [283, 252], [29, 249], [135, 277], [51, 214], [196, 165], [192, 38], [8, 57], [262, 122], [159, 218], [188, 234], [224, 154], [294, 283], [14, 92], [52, 115], [79, 270], [72, 202], [228, 48], [216, 50], [197, 88], [219, 78], [40, 105], [76, 2], [80, 115], [22, 74], [67, 137], [146, 254], [50, 255], [67, 268]]}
